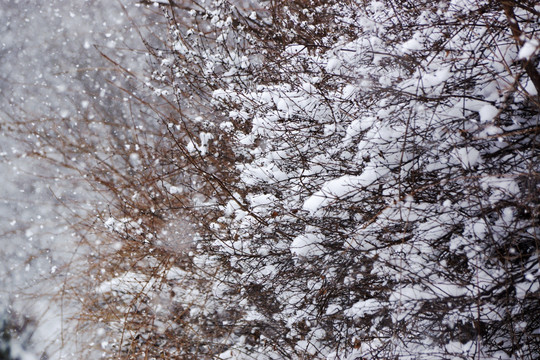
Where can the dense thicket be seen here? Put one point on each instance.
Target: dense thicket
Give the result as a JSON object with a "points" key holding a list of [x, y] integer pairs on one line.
{"points": [[321, 180]]}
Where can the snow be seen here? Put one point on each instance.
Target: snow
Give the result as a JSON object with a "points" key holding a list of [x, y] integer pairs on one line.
{"points": [[363, 308], [359, 191], [348, 91], [342, 187], [469, 157], [528, 50], [128, 285], [306, 245], [333, 309], [333, 65], [411, 45], [436, 78], [488, 113], [49, 67]]}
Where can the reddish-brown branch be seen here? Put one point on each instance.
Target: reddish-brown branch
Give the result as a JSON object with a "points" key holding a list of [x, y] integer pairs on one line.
{"points": [[528, 65]]}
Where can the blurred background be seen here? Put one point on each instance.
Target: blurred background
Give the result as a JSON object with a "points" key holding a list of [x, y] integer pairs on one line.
{"points": [[50, 66]]}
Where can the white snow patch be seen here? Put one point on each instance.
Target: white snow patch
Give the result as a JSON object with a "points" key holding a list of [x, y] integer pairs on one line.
{"points": [[436, 78], [344, 186], [411, 45], [333, 309], [127, 285], [468, 157], [333, 65], [488, 113], [306, 245], [528, 49], [364, 307]]}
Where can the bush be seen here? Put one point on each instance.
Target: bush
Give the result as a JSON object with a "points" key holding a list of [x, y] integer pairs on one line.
{"points": [[308, 180]]}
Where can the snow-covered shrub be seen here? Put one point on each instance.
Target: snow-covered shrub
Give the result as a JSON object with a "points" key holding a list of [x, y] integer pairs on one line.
{"points": [[322, 180], [387, 194]]}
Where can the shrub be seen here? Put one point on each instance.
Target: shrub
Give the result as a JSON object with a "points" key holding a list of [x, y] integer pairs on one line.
{"points": [[311, 179]]}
